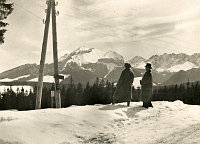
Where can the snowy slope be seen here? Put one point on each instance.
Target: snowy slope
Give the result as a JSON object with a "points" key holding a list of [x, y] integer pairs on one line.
{"points": [[136, 82], [167, 122], [9, 80], [110, 67], [137, 62], [113, 55], [185, 66], [141, 65], [48, 78]]}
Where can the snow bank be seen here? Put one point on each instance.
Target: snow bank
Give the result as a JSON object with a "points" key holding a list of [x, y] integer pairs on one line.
{"points": [[185, 66], [167, 122], [9, 80]]}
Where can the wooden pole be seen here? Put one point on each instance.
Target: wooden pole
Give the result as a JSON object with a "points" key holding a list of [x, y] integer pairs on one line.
{"points": [[43, 56], [52, 102], [52, 95], [55, 57]]}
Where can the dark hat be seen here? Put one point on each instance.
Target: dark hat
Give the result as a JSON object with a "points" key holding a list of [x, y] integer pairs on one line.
{"points": [[127, 65], [148, 65]]}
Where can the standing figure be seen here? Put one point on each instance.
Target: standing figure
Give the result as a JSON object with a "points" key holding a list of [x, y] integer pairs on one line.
{"points": [[147, 87], [124, 86]]}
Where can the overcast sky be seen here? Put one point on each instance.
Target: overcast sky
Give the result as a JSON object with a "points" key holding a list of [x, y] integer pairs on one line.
{"points": [[129, 27]]}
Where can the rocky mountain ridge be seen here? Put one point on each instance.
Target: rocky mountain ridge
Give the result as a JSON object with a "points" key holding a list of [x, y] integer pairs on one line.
{"points": [[85, 64]]}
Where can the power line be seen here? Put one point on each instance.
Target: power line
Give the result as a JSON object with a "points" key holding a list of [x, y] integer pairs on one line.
{"points": [[84, 20], [28, 11], [105, 34], [34, 2], [106, 25], [89, 24]]}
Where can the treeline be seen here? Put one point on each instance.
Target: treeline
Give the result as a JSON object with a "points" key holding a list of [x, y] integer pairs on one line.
{"points": [[188, 92], [20, 100], [98, 93]]}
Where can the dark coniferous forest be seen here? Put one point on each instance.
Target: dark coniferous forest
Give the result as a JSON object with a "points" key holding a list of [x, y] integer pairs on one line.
{"points": [[100, 92]]}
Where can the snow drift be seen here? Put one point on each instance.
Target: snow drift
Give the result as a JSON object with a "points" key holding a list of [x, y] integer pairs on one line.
{"points": [[167, 122]]}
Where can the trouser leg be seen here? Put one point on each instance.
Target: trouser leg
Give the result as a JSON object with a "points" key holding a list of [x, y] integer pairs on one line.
{"points": [[145, 104], [128, 103], [113, 100]]}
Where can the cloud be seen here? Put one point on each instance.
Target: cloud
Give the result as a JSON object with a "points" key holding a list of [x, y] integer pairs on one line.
{"points": [[111, 24]]}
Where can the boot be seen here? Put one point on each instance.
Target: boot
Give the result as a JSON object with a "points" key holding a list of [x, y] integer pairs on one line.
{"points": [[150, 104]]}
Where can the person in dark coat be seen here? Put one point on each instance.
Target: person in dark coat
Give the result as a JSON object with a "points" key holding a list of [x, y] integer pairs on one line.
{"points": [[147, 87], [123, 90]]}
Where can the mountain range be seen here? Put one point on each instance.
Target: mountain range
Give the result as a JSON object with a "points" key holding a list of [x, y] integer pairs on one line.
{"points": [[86, 64]]}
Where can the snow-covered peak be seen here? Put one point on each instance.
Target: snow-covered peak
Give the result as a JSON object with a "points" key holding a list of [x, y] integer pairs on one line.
{"points": [[84, 55], [137, 62], [82, 49], [136, 59], [185, 66], [113, 55], [141, 65]]}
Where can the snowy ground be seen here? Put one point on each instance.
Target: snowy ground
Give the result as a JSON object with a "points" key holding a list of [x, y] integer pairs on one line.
{"points": [[166, 123]]}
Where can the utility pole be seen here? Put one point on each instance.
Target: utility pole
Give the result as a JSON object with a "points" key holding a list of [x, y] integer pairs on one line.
{"points": [[55, 56], [51, 7], [43, 56]]}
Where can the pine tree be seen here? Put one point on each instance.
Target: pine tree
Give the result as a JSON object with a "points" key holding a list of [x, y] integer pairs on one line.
{"points": [[5, 10], [86, 94], [102, 83], [186, 99], [63, 96], [79, 94], [71, 91], [196, 93], [97, 82], [108, 92], [31, 100]]}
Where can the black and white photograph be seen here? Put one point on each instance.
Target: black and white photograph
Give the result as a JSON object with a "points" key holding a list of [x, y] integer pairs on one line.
{"points": [[99, 71]]}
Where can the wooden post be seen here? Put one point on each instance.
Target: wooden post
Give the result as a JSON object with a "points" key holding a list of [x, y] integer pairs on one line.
{"points": [[55, 56], [43, 56]]}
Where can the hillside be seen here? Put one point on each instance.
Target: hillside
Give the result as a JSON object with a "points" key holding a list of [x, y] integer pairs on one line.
{"points": [[167, 123], [183, 77]]}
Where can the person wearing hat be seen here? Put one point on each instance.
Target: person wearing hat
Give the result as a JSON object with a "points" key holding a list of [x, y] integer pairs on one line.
{"points": [[147, 87], [124, 86]]}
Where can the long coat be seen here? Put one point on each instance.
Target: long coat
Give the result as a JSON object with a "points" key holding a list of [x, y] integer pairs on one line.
{"points": [[124, 85], [147, 87]]}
